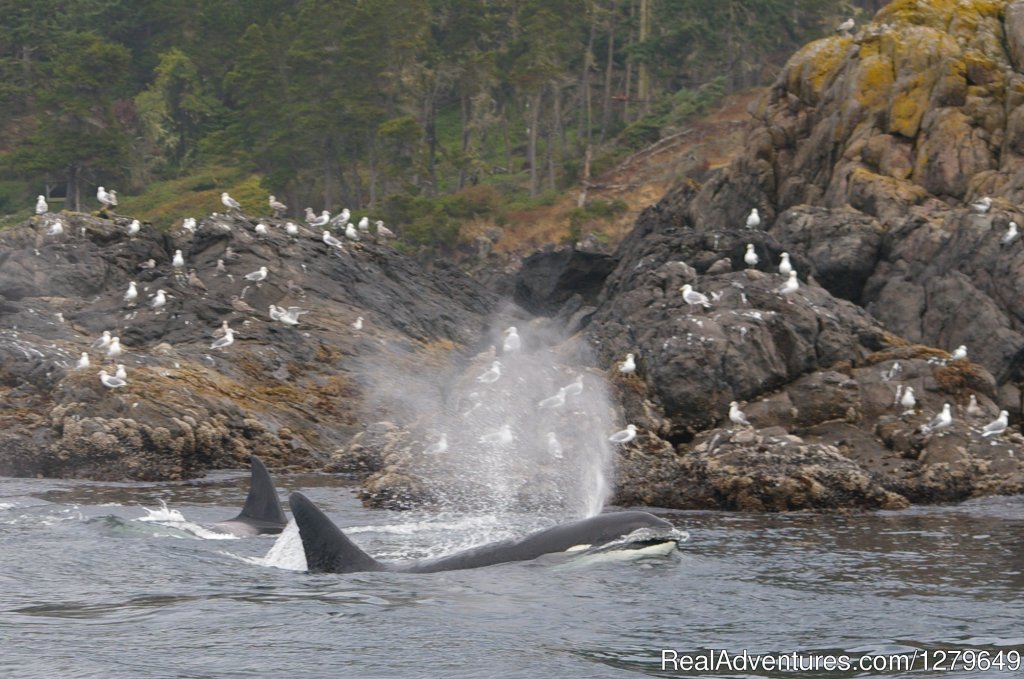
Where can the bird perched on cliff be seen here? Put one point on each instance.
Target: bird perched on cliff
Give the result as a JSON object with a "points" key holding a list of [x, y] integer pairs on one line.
{"points": [[554, 447], [317, 222], [753, 219], [148, 264], [1010, 236], [178, 261], [364, 225], [111, 381], [133, 228], [83, 361], [112, 195], [692, 297], [996, 426], [982, 205], [846, 26], [56, 228], [785, 268], [574, 388], [131, 294], [552, 402], [195, 281], [628, 367], [790, 287], [276, 207], [189, 224], [261, 230], [103, 341], [104, 198], [159, 300], [257, 276], [383, 231], [625, 435], [241, 306], [121, 373], [41, 207], [441, 446], [289, 316], [973, 409], [736, 416], [221, 269], [491, 375], [114, 348], [940, 421], [229, 202], [222, 330], [350, 232], [291, 229], [225, 341], [750, 258], [357, 324], [341, 218], [907, 400], [960, 353], [512, 341], [501, 436], [332, 241]]}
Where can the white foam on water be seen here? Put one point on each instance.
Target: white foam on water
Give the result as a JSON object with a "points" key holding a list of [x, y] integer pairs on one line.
{"points": [[172, 518], [286, 553]]}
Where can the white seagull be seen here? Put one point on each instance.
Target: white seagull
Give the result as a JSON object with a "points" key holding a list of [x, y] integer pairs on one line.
{"points": [[575, 388], [628, 367], [103, 341], [383, 231], [83, 361], [340, 218], [189, 224], [291, 229], [289, 316], [134, 227], [907, 400], [959, 353], [750, 257], [358, 324], [56, 228], [512, 341], [261, 230], [753, 219], [364, 225], [1011, 234], [104, 198], [996, 426], [132, 294], [317, 222], [121, 373], [332, 241], [736, 416], [148, 264], [940, 421], [624, 436], [257, 276], [785, 268], [41, 207], [114, 348], [350, 232], [982, 205], [179, 261], [556, 401], [229, 202], [790, 286], [973, 409], [225, 341], [846, 26], [493, 374], [691, 297], [159, 300], [222, 330], [111, 381]]}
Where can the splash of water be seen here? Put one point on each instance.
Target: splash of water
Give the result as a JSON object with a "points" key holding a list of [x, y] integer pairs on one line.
{"points": [[505, 451], [172, 518]]}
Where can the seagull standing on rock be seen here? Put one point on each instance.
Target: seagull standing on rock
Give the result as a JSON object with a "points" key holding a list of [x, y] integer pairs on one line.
{"points": [[790, 287], [277, 207], [261, 230], [291, 229], [512, 341], [317, 222], [41, 207], [357, 325], [103, 341], [624, 436], [134, 228], [1011, 234], [907, 400], [846, 26], [628, 367], [350, 232], [785, 268], [159, 300], [692, 297], [56, 228], [982, 205], [960, 353], [131, 295], [332, 241], [257, 276], [83, 361], [121, 373], [111, 381], [229, 202], [493, 374], [750, 257], [179, 261], [753, 219], [996, 426], [556, 401], [383, 231], [225, 341], [940, 421], [104, 198], [114, 348], [736, 416]]}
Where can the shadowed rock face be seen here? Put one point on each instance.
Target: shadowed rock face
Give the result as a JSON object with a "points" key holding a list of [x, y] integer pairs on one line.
{"points": [[288, 393], [547, 280]]}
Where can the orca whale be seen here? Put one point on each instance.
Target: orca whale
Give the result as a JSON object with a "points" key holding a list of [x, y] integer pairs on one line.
{"points": [[328, 549], [262, 513]]}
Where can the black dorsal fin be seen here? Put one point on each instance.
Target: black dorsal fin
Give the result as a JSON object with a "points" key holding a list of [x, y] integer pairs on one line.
{"points": [[327, 549], [262, 503]]}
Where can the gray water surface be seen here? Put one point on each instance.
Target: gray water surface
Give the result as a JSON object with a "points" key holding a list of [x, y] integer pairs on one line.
{"points": [[88, 589]]}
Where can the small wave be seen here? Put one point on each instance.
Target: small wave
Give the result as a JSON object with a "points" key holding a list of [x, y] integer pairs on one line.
{"points": [[172, 518], [286, 552]]}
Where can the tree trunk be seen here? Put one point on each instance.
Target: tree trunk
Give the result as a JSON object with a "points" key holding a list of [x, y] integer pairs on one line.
{"points": [[606, 104], [71, 201], [643, 73], [466, 107], [583, 121], [373, 172], [328, 175], [430, 127], [531, 142], [581, 200]]}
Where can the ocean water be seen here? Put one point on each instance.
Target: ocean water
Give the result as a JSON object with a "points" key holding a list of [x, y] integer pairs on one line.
{"points": [[130, 580]]}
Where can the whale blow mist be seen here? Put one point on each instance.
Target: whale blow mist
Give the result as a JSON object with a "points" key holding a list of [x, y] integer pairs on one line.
{"points": [[515, 430]]}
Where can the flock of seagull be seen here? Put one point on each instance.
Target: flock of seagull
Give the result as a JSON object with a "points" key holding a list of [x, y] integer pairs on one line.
{"points": [[110, 346]]}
